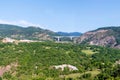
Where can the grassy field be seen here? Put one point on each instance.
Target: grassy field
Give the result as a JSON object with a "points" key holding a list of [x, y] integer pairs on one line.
{"points": [[76, 75], [88, 52]]}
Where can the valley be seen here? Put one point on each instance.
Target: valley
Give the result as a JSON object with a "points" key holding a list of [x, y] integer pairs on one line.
{"points": [[36, 61], [37, 54], [60, 40]]}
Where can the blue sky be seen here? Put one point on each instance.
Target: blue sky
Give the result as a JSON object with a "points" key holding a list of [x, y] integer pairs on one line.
{"points": [[61, 15]]}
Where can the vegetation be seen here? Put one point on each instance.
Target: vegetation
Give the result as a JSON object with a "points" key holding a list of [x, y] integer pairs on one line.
{"points": [[36, 61], [88, 52], [31, 32]]}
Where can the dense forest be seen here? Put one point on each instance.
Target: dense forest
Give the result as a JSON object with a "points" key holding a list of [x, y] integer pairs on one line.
{"points": [[36, 61]]}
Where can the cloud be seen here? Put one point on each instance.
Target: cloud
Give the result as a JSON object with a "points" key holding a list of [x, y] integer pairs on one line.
{"points": [[6, 22], [20, 23], [26, 23]]}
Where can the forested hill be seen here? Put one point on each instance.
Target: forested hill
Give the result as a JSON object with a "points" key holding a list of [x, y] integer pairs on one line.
{"points": [[20, 32], [106, 36], [37, 61]]}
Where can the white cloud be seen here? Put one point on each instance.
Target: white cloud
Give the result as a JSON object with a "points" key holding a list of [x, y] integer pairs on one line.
{"points": [[6, 22], [26, 23], [20, 23]]}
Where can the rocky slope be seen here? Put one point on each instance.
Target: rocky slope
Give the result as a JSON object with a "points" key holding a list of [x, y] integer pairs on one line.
{"points": [[107, 36], [31, 32]]}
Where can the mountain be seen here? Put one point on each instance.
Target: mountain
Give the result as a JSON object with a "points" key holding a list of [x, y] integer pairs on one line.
{"points": [[69, 34], [31, 32], [106, 36]]}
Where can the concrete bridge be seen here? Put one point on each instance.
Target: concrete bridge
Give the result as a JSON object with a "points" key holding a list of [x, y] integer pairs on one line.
{"points": [[59, 37]]}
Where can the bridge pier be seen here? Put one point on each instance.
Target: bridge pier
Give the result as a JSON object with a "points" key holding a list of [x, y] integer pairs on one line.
{"points": [[58, 38], [71, 38]]}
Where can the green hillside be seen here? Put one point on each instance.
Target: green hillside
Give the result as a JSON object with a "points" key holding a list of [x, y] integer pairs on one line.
{"points": [[35, 61], [31, 32]]}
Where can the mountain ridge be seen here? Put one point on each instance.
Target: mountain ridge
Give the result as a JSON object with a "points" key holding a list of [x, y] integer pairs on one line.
{"points": [[30, 32], [106, 36]]}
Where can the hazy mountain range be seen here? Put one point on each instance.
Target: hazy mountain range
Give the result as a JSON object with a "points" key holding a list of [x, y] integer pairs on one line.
{"points": [[31, 32], [106, 36], [69, 33]]}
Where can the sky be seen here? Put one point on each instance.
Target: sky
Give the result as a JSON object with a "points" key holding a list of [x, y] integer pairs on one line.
{"points": [[61, 15]]}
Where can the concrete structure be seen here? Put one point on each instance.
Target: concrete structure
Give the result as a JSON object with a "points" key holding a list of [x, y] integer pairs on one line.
{"points": [[59, 37], [71, 68], [117, 62], [8, 40], [28, 41]]}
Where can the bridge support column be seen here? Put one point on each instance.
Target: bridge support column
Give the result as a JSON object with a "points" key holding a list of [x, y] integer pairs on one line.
{"points": [[58, 39], [71, 38]]}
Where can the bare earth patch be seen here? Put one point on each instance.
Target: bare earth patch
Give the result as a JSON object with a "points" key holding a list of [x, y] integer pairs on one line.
{"points": [[7, 68]]}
